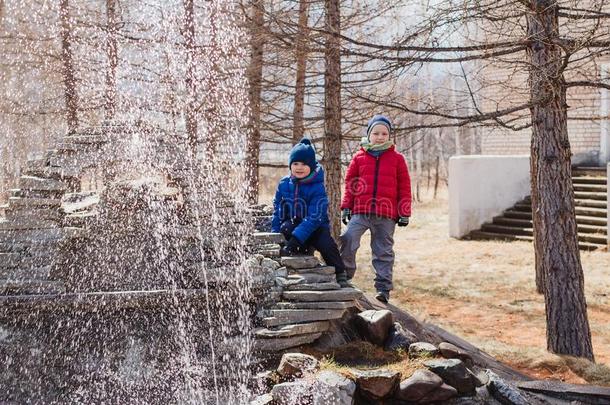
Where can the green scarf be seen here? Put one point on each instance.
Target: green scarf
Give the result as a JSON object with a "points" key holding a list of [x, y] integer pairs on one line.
{"points": [[372, 147]]}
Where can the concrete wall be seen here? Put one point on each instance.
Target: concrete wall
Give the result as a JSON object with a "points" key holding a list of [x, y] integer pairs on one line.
{"points": [[481, 187]]}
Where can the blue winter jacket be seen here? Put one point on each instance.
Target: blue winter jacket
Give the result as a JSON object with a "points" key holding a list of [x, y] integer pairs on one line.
{"points": [[304, 199]]}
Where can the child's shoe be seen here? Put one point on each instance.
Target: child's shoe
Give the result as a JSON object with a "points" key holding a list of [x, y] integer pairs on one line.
{"points": [[343, 281], [383, 296]]}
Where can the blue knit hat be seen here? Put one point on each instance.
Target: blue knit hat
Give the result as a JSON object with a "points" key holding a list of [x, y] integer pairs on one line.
{"points": [[303, 152], [378, 120]]}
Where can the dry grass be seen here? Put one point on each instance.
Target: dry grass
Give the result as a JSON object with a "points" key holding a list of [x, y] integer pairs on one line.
{"points": [[360, 355], [484, 292]]}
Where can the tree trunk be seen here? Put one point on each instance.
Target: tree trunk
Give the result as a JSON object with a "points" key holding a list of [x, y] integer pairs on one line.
{"points": [[298, 127], [555, 232], [113, 59], [69, 77], [255, 78], [190, 81], [332, 113]]}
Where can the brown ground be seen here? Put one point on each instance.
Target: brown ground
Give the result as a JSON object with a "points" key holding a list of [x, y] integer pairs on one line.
{"points": [[485, 293]]}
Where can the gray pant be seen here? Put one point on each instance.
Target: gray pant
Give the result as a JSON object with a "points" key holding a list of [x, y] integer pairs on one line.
{"points": [[382, 243]]}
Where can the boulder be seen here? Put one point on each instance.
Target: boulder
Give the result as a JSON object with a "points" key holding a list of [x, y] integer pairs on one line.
{"points": [[374, 326], [265, 399], [292, 393], [377, 384], [440, 394], [297, 365], [450, 351], [399, 338], [416, 387], [454, 373], [333, 388], [504, 392], [422, 349]]}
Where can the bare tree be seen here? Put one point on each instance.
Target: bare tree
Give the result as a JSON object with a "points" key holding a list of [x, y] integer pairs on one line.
{"points": [[332, 113], [70, 84]]}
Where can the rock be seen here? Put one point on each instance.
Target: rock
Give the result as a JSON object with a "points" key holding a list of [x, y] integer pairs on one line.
{"points": [[454, 373], [377, 384], [374, 326], [281, 272], [313, 287], [288, 316], [503, 391], [399, 338], [344, 294], [422, 349], [327, 270], [269, 264], [300, 262], [333, 388], [264, 381], [292, 330], [277, 344], [265, 399], [297, 365], [450, 351], [305, 278], [420, 384], [442, 393], [292, 393], [265, 238], [316, 305]]}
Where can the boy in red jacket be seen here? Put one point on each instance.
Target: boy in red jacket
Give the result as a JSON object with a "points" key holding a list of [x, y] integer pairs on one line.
{"points": [[377, 197]]}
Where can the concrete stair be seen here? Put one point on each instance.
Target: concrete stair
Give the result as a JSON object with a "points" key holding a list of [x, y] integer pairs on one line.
{"points": [[591, 206]]}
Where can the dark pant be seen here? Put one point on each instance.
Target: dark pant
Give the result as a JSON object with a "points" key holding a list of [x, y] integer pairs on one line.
{"points": [[321, 240]]}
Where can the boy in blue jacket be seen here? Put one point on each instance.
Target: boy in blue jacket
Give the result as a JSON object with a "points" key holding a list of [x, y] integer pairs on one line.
{"points": [[300, 210]]}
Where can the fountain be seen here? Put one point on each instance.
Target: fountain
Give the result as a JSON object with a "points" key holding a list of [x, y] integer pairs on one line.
{"points": [[114, 283]]}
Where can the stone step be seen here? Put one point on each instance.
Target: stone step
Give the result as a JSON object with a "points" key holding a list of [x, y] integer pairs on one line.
{"points": [[591, 195], [37, 273], [586, 233], [322, 270], [41, 184], [28, 287], [599, 221], [589, 180], [290, 316], [264, 238], [308, 278], [522, 207], [27, 224], [18, 202], [38, 236], [592, 188], [315, 305], [53, 172], [47, 214], [313, 287], [600, 172], [516, 222], [344, 294], [517, 214], [592, 212], [579, 202], [525, 227], [275, 345], [481, 235], [292, 330], [300, 262]]}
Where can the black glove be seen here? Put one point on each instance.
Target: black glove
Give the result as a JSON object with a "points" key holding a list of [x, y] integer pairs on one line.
{"points": [[346, 215], [403, 221], [293, 247]]}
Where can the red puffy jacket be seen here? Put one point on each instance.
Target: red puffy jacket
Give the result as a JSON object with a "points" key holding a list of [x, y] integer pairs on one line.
{"points": [[378, 185]]}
